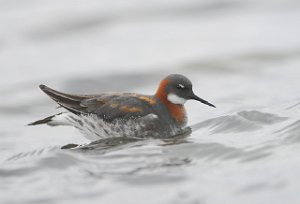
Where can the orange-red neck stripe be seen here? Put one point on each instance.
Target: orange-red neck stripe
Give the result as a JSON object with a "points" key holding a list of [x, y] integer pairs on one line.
{"points": [[177, 111]]}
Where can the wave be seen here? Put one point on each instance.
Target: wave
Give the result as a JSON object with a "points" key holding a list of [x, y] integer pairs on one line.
{"points": [[291, 133], [243, 121]]}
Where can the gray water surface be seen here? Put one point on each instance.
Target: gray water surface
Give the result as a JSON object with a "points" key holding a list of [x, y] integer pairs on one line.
{"points": [[243, 56]]}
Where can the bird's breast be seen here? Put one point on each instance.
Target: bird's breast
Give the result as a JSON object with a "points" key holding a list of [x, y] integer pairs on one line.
{"points": [[178, 113]]}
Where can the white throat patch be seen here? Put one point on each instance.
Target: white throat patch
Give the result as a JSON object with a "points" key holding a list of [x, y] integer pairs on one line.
{"points": [[176, 99]]}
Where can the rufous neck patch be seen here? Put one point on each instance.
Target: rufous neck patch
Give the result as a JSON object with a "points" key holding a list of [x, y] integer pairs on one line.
{"points": [[177, 111]]}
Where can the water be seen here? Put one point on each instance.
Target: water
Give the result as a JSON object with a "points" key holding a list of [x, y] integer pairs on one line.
{"points": [[244, 57]]}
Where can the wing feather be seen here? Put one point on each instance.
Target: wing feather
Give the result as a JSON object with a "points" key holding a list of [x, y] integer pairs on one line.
{"points": [[105, 106], [68, 101]]}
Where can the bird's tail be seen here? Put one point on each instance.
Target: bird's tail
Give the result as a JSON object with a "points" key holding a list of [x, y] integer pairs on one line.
{"points": [[53, 120]]}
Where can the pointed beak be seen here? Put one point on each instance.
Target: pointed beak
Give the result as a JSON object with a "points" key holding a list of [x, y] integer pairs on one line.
{"points": [[201, 100]]}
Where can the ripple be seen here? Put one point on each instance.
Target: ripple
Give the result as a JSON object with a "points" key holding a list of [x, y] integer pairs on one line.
{"points": [[243, 121], [294, 106], [262, 118], [5, 173], [34, 153], [25, 163], [59, 161], [291, 133], [215, 151]]}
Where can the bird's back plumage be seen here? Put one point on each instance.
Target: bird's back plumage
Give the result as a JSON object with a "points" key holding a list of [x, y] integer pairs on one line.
{"points": [[109, 106]]}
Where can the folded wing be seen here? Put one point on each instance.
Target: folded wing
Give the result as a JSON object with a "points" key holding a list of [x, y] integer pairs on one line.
{"points": [[105, 106]]}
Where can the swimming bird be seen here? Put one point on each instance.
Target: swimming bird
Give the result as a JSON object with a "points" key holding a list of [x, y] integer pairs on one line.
{"points": [[107, 115]]}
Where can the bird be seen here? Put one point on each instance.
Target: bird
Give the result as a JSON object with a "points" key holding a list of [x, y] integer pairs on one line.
{"points": [[108, 115]]}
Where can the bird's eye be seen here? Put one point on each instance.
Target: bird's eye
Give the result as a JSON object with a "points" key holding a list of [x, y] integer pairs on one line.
{"points": [[180, 86]]}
